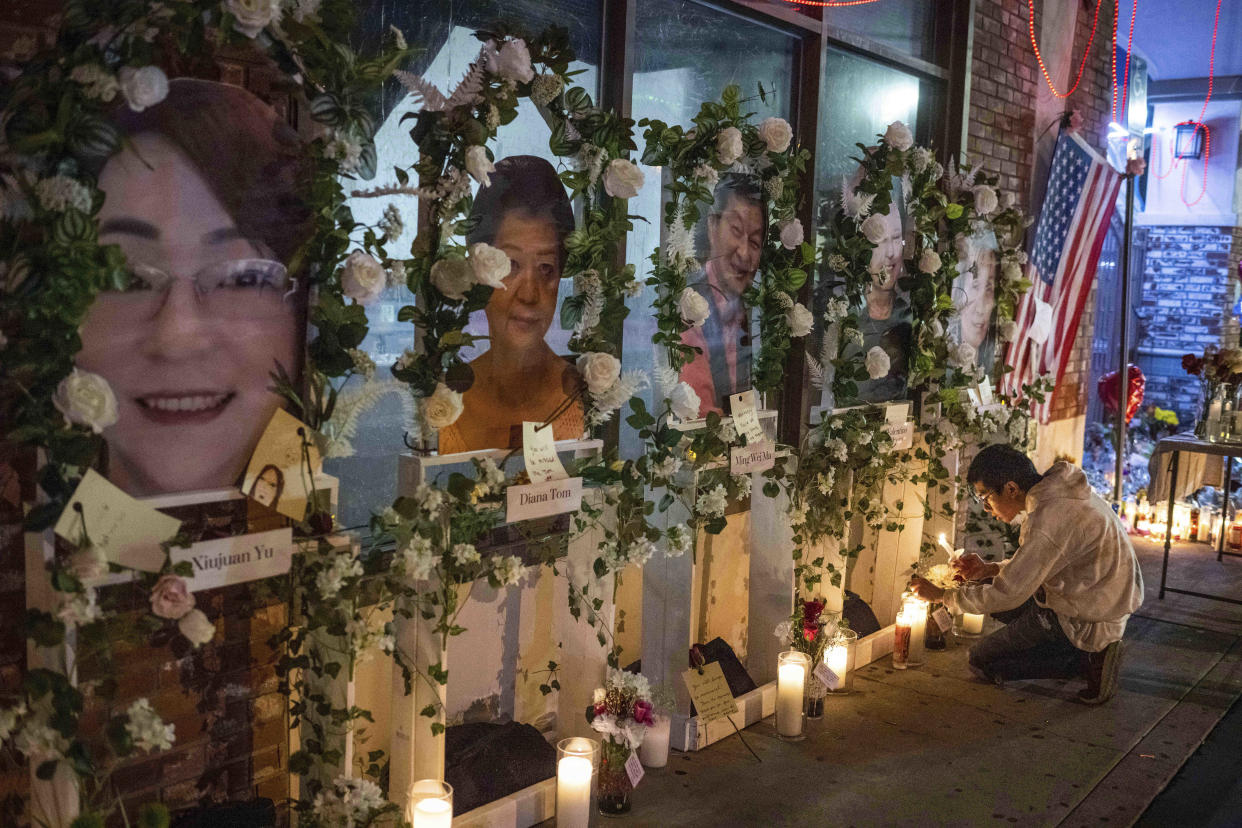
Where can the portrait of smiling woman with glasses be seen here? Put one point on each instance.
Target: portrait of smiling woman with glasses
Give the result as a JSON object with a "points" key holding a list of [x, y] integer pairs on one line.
{"points": [[202, 200]]}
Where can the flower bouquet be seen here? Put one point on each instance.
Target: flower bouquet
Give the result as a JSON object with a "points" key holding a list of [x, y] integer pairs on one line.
{"points": [[942, 576], [622, 711], [1221, 370], [807, 632]]}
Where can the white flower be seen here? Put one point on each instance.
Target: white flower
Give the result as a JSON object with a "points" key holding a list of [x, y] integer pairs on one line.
{"points": [[877, 363], [39, 742], [392, 224], [622, 178], [545, 88], [331, 579], [307, 11], [465, 553], [838, 262], [491, 475], [396, 274], [363, 278], [743, 484], [838, 449], [776, 133], [479, 165], [853, 336], [345, 150], [898, 136], [60, 192], [712, 503], [985, 200], [252, 16], [77, 609], [1006, 329], [490, 265], [854, 203], [729, 145], [453, 278], [416, 558], [508, 570], [792, 234], [707, 174], [599, 370], [929, 261], [88, 562], [1011, 271], [825, 481], [680, 541], [921, 157], [363, 364], [443, 407], [1041, 326], [99, 83], [693, 307], [800, 320], [349, 803], [86, 399], [406, 360], [146, 728], [962, 355], [513, 61], [685, 401], [196, 627], [142, 87], [875, 228], [9, 717], [626, 386], [784, 632]]}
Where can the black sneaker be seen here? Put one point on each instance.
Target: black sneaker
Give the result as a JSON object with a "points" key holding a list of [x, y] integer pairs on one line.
{"points": [[1102, 671]]}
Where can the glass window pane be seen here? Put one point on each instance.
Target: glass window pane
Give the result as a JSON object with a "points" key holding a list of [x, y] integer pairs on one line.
{"points": [[687, 53], [904, 25]]}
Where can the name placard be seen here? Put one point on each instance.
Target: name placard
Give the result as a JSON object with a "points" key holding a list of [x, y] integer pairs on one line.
{"points": [[239, 559], [752, 457], [710, 692], [536, 500], [902, 434]]}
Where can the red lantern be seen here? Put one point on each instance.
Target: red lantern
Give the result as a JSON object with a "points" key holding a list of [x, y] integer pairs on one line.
{"points": [[1110, 385]]}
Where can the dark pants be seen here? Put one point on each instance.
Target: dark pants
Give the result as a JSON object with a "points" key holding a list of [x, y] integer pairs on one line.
{"points": [[1031, 645]]}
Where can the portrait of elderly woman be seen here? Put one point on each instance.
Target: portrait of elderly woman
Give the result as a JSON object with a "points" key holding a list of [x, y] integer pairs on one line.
{"points": [[884, 319], [729, 242], [974, 297], [203, 201], [526, 213]]}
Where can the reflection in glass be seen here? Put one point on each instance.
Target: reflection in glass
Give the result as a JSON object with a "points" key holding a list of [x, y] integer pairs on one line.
{"points": [[904, 25]]}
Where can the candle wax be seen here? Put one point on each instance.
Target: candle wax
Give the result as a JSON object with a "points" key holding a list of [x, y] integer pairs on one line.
{"points": [[972, 623], [790, 680], [433, 813]]}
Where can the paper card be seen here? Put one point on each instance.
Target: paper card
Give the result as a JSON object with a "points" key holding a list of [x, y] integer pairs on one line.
{"points": [[278, 476], [710, 692], [634, 769], [128, 531], [973, 394], [902, 434], [943, 620], [237, 559], [541, 461], [985, 392], [752, 457], [826, 676], [552, 497], [745, 417], [897, 412]]}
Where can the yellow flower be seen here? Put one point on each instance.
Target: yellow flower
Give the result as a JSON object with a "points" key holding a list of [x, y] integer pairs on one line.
{"points": [[690, 455], [1165, 416]]}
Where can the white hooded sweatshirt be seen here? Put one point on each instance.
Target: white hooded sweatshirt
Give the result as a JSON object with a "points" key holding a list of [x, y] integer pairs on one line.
{"points": [[1074, 546]]}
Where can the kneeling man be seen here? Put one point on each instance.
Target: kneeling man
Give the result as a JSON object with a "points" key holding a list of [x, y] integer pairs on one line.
{"points": [[1069, 588]]}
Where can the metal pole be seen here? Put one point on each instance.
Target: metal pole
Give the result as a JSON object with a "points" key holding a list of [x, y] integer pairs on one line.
{"points": [[1124, 346]]}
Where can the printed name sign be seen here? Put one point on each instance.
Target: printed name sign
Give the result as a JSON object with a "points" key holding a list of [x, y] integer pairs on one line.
{"points": [[126, 530], [752, 457], [710, 692], [239, 559], [552, 497], [902, 434]]}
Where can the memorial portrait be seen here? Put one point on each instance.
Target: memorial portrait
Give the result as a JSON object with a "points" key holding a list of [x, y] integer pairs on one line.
{"points": [[884, 318], [728, 242], [974, 299], [203, 200], [525, 212]]}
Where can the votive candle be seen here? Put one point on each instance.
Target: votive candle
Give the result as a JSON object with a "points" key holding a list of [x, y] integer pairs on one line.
{"points": [[972, 623], [430, 804], [653, 752], [791, 672]]}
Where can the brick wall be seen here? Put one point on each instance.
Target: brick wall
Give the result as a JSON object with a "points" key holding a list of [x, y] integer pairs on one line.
{"points": [[1004, 81]]}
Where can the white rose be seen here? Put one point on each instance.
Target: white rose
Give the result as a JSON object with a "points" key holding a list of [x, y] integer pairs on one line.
{"points": [[707, 174], [362, 278], [693, 307], [929, 261], [490, 265], [962, 355], [1041, 326], [196, 627], [86, 399], [513, 61], [800, 320], [922, 157], [877, 363], [985, 199], [792, 234], [729, 145], [874, 228], [443, 407], [452, 277], [685, 402], [252, 16], [622, 179], [479, 165], [143, 87], [88, 563], [776, 133], [1007, 329], [1011, 271], [898, 136], [599, 370]]}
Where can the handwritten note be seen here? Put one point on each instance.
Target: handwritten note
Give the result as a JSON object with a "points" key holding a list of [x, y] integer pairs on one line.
{"points": [[238, 559], [752, 457], [985, 392], [552, 497], [542, 464], [745, 417], [125, 529], [827, 677], [943, 620], [710, 692], [283, 465], [897, 412], [634, 769]]}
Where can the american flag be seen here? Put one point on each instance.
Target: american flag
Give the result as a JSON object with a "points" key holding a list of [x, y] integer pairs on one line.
{"points": [[1081, 197]]}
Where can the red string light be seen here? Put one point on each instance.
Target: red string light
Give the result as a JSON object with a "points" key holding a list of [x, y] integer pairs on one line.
{"points": [[831, 4], [1125, 87], [1085, 54]]}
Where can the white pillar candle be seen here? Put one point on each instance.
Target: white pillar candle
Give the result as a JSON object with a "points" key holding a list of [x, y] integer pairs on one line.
{"points": [[901, 640], [916, 615], [972, 623], [573, 792], [790, 690], [653, 752], [433, 813]]}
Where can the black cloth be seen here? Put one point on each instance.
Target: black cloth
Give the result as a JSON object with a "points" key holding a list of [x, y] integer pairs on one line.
{"points": [[258, 813], [485, 761], [739, 681], [860, 616]]}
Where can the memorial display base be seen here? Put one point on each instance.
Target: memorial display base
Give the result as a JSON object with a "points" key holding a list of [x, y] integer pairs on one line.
{"points": [[520, 809], [689, 733]]}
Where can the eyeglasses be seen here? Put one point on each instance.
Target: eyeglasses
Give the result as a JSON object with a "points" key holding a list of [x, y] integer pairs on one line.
{"points": [[235, 289], [983, 499]]}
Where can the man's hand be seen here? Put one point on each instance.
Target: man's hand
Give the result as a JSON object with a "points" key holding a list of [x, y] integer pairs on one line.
{"points": [[926, 589], [970, 567]]}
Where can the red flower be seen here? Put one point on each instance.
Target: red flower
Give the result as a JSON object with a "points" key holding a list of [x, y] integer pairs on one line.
{"points": [[601, 709], [811, 611], [1192, 364], [644, 713]]}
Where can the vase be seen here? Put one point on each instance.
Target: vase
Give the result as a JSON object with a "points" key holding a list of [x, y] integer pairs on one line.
{"points": [[815, 692], [935, 636], [1211, 403], [614, 782]]}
